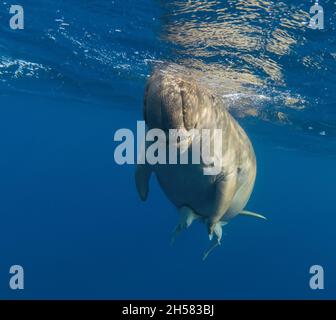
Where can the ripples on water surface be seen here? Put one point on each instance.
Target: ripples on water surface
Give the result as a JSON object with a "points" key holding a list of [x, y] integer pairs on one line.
{"points": [[262, 58], [259, 55]]}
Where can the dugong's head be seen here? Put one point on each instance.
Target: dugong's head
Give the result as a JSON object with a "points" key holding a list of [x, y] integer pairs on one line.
{"points": [[173, 101]]}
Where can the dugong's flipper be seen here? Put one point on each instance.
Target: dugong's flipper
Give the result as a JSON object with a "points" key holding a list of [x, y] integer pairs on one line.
{"points": [[142, 175], [187, 216], [252, 214]]}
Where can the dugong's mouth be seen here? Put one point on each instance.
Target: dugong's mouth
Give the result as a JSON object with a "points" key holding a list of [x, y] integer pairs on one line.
{"points": [[178, 138]]}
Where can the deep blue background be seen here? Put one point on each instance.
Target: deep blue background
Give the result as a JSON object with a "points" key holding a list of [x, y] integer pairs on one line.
{"points": [[71, 217]]}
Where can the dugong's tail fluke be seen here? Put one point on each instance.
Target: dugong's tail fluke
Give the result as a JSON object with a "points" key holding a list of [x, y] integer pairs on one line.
{"points": [[252, 214]]}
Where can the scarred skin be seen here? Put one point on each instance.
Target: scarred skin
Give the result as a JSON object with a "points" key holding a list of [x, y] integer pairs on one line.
{"points": [[176, 101]]}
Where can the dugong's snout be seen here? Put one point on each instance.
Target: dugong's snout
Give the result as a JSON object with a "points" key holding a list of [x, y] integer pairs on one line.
{"points": [[171, 102]]}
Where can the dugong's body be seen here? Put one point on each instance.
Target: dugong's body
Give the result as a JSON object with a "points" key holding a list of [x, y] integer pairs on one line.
{"points": [[175, 101]]}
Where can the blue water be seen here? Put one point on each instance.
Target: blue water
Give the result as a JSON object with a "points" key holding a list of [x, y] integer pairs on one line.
{"points": [[71, 216]]}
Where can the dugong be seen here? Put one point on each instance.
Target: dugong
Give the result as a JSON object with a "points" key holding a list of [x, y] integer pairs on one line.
{"points": [[174, 100]]}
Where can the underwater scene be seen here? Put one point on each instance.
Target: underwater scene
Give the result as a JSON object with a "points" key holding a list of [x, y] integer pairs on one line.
{"points": [[83, 219]]}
